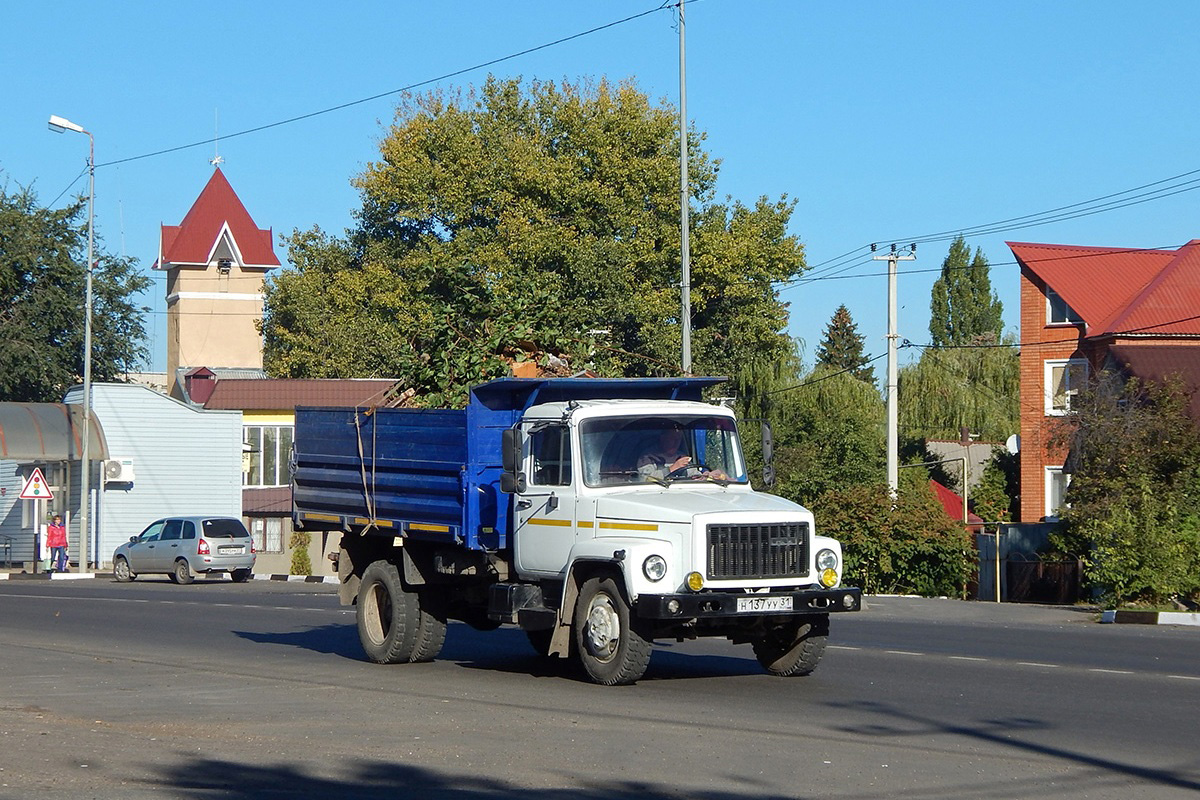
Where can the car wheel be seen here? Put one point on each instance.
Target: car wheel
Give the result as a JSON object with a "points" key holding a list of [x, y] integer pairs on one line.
{"points": [[122, 572], [240, 575], [182, 573]]}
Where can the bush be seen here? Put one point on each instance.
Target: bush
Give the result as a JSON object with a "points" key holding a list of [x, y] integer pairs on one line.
{"points": [[911, 548], [301, 563]]}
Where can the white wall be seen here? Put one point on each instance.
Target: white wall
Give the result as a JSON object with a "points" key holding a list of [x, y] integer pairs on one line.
{"points": [[185, 461]]}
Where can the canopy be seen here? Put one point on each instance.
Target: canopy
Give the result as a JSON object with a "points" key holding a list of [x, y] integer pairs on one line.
{"points": [[38, 432]]}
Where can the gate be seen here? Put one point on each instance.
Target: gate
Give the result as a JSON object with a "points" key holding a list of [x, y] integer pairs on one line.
{"points": [[1034, 580]]}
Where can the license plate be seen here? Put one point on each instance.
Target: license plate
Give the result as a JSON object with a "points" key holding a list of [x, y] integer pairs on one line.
{"points": [[747, 605], [232, 550]]}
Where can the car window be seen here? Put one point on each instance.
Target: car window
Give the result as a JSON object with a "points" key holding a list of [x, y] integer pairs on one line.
{"points": [[189, 529], [224, 529], [152, 533], [172, 530]]}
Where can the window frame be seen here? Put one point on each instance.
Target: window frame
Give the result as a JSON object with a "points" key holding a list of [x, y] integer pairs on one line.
{"points": [[281, 438], [1048, 367], [1070, 315], [1051, 474]]}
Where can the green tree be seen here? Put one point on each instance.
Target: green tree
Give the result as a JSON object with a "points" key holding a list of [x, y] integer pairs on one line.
{"points": [[1134, 514], [43, 254], [963, 308], [520, 221], [842, 347], [830, 434], [973, 387], [993, 497]]}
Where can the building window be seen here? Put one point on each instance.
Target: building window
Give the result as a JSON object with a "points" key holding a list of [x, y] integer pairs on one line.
{"points": [[1057, 482], [270, 455], [267, 533], [1064, 380], [1058, 312]]}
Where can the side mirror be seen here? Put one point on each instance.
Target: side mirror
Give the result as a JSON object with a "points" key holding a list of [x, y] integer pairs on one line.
{"points": [[132, 539], [511, 479]]}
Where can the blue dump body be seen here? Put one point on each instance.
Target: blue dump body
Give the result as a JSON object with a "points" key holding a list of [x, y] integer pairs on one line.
{"points": [[434, 474]]}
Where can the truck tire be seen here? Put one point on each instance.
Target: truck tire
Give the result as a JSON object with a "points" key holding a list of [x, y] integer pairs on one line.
{"points": [[794, 649], [387, 615], [608, 641], [431, 626]]}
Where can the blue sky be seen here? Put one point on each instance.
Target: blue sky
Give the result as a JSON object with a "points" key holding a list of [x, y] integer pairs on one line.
{"points": [[886, 121]]}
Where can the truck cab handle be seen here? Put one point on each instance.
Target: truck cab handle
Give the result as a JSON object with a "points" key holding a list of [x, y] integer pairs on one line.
{"points": [[523, 504]]}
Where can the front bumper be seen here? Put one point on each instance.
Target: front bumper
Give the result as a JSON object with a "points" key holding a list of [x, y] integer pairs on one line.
{"points": [[724, 605]]}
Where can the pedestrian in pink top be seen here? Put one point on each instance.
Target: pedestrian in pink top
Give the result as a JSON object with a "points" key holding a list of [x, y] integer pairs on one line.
{"points": [[56, 540]]}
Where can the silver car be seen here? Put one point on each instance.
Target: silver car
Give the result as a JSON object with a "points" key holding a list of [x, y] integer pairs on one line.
{"points": [[182, 547]]}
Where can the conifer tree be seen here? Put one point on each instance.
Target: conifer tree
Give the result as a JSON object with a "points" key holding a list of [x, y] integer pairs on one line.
{"points": [[842, 347], [964, 309]]}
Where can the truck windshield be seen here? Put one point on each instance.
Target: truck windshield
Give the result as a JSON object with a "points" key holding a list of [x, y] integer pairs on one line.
{"points": [[636, 450]]}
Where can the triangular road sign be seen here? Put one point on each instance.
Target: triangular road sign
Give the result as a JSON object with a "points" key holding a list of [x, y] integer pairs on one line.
{"points": [[36, 488]]}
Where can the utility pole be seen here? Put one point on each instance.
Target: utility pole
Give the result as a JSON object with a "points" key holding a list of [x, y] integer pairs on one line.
{"points": [[685, 284], [893, 415]]}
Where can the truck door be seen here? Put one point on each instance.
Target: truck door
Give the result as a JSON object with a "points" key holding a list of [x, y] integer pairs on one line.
{"points": [[545, 511]]}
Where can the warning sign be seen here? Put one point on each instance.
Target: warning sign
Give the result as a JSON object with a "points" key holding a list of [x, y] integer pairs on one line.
{"points": [[36, 488]]}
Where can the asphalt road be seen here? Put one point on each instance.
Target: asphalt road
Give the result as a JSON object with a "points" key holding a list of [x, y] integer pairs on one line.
{"points": [[259, 690]]}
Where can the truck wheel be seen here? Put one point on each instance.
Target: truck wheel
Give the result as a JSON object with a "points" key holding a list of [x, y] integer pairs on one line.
{"points": [[610, 646], [794, 649], [431, 626], [387, 615]]}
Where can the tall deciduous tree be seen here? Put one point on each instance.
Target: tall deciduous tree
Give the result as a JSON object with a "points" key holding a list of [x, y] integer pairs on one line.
{"points": [[524, 220], [964, 309], [43, 254], [842, 347], [972, 387]]}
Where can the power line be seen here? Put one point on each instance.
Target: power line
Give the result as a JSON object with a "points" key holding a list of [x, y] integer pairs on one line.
{"points": [[402, 89], [827, 377], [1109, 202]]}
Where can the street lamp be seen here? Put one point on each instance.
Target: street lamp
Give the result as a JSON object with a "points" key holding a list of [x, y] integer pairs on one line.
{"points": [[60, 125]]}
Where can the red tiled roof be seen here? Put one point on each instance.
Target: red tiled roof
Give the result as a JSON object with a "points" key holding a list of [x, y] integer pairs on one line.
{"points": [[952, 503], [192, 241], [1120, 290], [287, 393]]}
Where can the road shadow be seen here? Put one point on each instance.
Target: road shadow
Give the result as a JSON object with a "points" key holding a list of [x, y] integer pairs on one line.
{"points": [[195, 777], [1102, 769], [508, 650], [338, 640]]}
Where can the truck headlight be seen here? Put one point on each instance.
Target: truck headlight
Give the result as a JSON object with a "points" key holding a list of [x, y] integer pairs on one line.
{"points": [[654, 568], [826, 559]]}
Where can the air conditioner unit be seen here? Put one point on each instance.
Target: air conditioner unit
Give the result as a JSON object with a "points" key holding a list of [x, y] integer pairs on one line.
{"points": [[118, 470]]}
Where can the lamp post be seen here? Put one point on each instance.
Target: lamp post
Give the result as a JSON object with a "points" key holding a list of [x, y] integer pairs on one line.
{"points": [[60, 125]]}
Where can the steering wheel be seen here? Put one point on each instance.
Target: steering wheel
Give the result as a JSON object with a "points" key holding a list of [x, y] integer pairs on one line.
{"points": [[683, 471]]}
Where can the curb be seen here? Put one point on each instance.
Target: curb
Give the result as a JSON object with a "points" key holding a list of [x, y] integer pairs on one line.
{"points": [[298, 578], [78, 576], [1151, 617]]}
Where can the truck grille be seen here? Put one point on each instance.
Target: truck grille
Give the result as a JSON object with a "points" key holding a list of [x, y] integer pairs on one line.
{"points": [[758, 551]]}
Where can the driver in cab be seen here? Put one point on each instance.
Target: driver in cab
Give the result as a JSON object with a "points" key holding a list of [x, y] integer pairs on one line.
{"points": [[667, 458]]}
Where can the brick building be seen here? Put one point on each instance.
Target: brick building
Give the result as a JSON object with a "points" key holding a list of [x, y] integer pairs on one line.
{"points": [[1086, 309]]}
